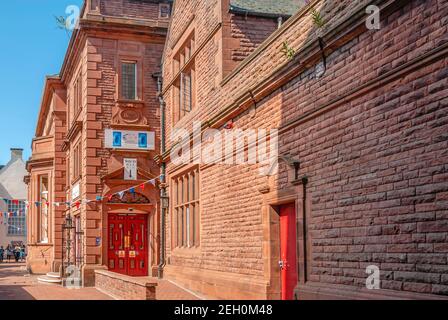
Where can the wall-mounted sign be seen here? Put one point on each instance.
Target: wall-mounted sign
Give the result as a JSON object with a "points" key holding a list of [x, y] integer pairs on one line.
{"points": [[130, 169], [76, 192], [98, 241], [134, 140]]}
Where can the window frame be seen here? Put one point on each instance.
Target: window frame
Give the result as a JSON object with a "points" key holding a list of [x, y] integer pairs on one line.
{"points": [[76, 162], [184, 63], [17, 221], [138, 78], [43, 207], [186, 210], [164, 5]]}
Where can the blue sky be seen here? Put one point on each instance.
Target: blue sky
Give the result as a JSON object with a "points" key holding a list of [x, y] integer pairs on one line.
{"points": [[31, 47]]}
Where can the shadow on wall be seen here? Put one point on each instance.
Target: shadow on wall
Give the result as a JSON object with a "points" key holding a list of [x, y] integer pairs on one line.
{"points": [[346, 149]]}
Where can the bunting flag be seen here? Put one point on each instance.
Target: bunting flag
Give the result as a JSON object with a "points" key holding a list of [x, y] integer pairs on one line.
{"points": [[83, 201]]}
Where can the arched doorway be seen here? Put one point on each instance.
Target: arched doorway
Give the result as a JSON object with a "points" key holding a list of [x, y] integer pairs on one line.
{"points": [[128, 225]]}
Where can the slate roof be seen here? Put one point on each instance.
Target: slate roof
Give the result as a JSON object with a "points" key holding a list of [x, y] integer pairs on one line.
{"points": [[266, 7]]}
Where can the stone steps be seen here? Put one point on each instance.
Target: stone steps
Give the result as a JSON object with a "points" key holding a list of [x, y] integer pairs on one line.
{"points": [[50, 278]]}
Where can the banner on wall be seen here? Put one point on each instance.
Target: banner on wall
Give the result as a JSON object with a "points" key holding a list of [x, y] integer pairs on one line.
{"points": [[133, 140]]}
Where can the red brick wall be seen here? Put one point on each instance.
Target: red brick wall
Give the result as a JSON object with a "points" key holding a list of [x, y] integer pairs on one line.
{"points": [[123, 287], [376, 163]]}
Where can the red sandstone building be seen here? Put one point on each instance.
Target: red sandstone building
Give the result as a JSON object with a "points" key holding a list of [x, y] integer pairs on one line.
{"points": [[361, 120], [97, 135], [363, 149]]}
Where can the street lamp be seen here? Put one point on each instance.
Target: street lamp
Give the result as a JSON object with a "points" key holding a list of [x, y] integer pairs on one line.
{"points": [[165, 201]]}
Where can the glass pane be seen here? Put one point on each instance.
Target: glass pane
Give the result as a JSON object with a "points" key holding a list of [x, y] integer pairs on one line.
{"points": [[129, 74], [187, 227]]}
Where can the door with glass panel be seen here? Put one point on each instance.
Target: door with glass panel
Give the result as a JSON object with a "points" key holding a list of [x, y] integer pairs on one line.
{"points": [[128, 244]]}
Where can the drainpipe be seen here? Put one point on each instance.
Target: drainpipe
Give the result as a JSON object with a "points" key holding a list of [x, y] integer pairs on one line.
{"points": [[163, 193]]}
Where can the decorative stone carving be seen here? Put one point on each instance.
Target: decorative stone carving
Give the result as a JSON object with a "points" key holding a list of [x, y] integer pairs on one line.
{"points": [[129, 113], [131, 198]]}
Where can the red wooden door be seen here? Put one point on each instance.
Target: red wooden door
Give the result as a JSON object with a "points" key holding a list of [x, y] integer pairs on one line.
{"points": [[128, 244], [137, 246], [288, 251]]}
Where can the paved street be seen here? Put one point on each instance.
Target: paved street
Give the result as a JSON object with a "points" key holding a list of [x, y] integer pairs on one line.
{"points": [[17, 284]]}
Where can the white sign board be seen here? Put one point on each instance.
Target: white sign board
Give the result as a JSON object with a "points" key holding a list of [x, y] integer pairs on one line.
{"points": [[131, 140], [130, 169], [76, 191]]}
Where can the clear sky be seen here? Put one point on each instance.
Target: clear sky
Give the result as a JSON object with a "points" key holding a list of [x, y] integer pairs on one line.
{"points": [[31, 46]]}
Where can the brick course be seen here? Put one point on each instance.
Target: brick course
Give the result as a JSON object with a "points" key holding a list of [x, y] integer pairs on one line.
{"points": [[376, 161]]}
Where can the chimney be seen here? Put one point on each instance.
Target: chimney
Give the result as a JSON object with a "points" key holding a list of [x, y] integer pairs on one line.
{"points": [[16, 153]]}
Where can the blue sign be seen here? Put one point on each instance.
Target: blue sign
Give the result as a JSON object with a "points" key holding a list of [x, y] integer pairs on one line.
{"points": [[117, 138], [143, 140]]}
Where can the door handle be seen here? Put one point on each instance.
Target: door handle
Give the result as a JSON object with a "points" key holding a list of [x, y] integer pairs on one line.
{"points": [[282, 264]]}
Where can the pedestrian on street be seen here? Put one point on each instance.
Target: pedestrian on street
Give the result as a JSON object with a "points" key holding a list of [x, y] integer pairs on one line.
{"points": [[22, 253], [9, 252], [17, 250], [2, 251]]}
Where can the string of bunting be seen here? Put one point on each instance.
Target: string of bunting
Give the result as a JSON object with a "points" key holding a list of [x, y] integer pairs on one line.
{"points": [[85, 201]]}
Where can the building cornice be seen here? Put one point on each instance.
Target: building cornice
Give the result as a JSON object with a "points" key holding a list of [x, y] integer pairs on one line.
{"points": [[152, 29]]}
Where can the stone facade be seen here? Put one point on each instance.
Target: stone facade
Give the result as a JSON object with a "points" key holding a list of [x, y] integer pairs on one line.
{"points": [[92, 104], [369, 136], [361, 120], [46, 182]]}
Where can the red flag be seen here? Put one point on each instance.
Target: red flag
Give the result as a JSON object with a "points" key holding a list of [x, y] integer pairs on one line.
{"points": [[142, 186], [78, 204]]}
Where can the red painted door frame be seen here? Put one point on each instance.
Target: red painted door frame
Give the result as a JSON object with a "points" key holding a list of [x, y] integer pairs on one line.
{"points": [[128, 244], [288, 250]]}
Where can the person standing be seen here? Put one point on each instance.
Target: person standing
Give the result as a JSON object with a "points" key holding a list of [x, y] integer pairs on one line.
{"points": [[22, 254], [2, 251], [9, 252]]}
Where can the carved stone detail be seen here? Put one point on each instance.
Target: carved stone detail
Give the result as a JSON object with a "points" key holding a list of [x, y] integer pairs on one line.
{"points": [[131, 198], [129, 113]]}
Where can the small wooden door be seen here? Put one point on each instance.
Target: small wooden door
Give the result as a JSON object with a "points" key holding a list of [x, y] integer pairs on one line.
{"points": [[288, 251], [128, 244]]}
